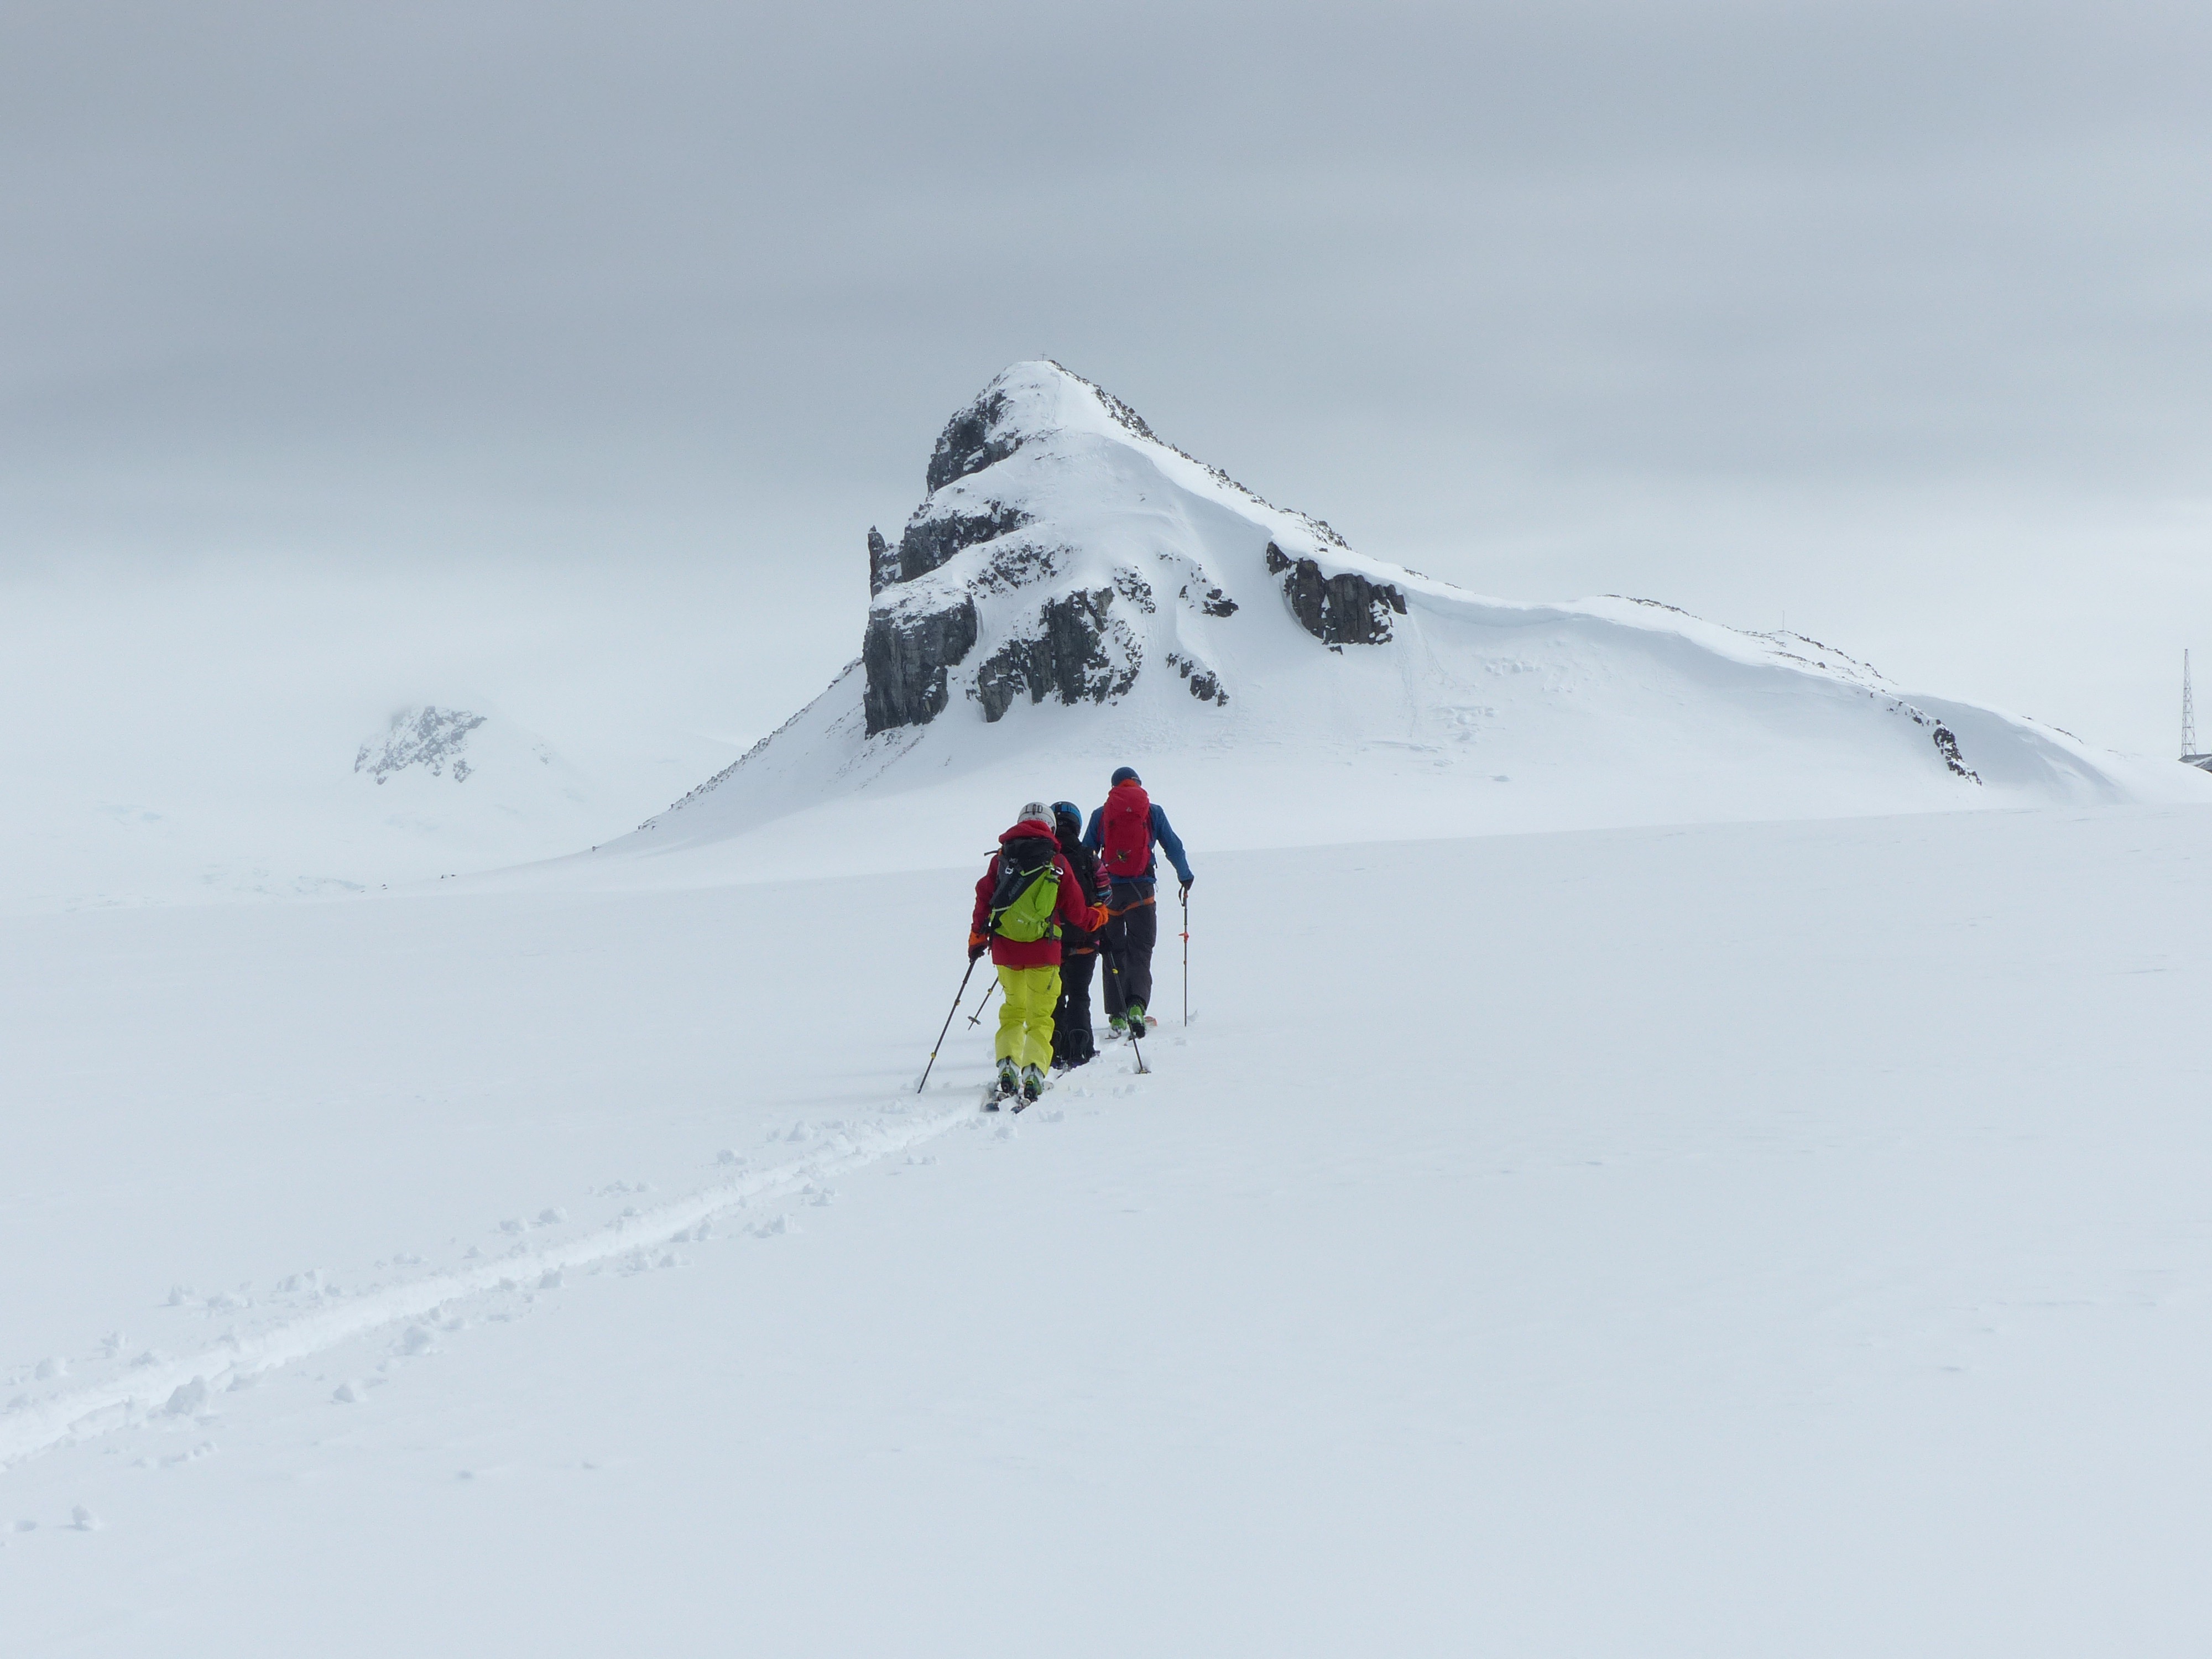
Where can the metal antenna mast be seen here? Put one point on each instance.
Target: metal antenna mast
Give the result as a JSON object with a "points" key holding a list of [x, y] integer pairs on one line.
{"points": [[2188, 713]]}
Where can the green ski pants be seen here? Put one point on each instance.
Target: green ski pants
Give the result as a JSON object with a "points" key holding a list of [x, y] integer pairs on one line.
{"points": [[1025, 1016]]}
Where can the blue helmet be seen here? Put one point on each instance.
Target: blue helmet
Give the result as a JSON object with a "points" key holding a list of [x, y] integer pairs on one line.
{"points": [[1126, 775]]}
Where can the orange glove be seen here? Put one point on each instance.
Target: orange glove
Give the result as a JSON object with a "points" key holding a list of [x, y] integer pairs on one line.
{"points": [[1099, 917], [976, 944]]}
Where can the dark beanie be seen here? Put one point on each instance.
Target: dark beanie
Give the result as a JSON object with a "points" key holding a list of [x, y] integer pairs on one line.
{"points": [[1126, 775]]}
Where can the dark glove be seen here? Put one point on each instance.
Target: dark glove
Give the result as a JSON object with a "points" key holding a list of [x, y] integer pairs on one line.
{"points": [[1186, 886], [977, 945]]}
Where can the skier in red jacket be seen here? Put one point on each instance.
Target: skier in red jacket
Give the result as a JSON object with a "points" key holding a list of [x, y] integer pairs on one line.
{"points": [[1028, 893]]}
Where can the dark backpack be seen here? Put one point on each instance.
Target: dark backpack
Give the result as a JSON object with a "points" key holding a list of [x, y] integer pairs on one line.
{"points": [[1027, 892], [1124, 832]]}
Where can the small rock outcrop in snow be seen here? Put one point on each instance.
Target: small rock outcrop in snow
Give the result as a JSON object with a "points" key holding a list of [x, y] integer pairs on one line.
{"points": [[1345, 608], [429, 738]]}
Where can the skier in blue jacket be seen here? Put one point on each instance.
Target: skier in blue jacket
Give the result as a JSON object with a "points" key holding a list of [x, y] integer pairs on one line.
{"points": [[1124, 831]]}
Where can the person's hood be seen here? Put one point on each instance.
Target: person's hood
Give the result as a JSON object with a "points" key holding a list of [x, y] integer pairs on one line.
{"points": [[1031, 829]]}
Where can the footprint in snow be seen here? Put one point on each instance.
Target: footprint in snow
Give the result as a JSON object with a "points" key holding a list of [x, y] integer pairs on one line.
{"points": [[48, 1370], [187, 1399], [774, 1229], [83, 1519], [552, 1217], [349, 1393]]}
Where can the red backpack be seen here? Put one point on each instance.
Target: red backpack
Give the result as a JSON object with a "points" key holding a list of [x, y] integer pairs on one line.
{"points": [[1124, 832]]}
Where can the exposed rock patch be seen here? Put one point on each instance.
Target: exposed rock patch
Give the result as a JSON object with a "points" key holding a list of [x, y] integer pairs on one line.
{"points": [[1203, 683], [1216, 603], [1946, 740], [966, 444], [430, 737], [1019, 564], [929, 543], [1345, 608], [1135, 589], [883, 563], [908, 658], [1078, 654]]}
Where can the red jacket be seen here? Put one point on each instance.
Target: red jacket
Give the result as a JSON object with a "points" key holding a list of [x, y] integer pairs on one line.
{"points": [[1075, 908]]}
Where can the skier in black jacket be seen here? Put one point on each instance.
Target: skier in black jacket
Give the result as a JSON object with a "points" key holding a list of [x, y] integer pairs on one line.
{"points": [[1071, 1042]]}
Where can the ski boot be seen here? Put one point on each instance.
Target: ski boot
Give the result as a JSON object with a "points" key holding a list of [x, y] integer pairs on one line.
{"points": [[1032, 1085], [1009, 1085], [1137, 1026]]}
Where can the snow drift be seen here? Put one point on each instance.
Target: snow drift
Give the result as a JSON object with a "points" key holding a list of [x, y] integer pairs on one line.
{"points": [[1074, 593]]}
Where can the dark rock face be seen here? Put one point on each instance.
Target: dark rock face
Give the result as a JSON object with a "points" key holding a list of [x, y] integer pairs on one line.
{"points": [[1342, 610], [1946, 740], [930, 541], [1205, 684], [906, 659], [1947, 746], [1069, 658], [883, 563], [966, 444]]}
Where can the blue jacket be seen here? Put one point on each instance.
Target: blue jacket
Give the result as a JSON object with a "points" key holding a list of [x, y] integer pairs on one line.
{"points": [[1163, 832]]}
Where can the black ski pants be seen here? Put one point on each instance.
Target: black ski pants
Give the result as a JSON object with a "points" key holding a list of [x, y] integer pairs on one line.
{"points": [[1071, 1042], [1127, 945]]}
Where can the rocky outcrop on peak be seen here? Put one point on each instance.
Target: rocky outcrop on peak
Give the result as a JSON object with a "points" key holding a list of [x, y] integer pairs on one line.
{"points": [[1345, 608], [1041, 563], [429, 738], [988, 595], [933, 537], [908, 660], [1079, 654], [968, 444]]}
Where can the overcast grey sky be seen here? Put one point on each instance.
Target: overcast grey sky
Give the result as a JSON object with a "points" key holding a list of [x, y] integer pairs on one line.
{"points": [[1896, 317]]}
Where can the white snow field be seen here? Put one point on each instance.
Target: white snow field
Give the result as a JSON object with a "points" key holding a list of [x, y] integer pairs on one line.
{"points": [[1758, 1238], [1682, 1147]]}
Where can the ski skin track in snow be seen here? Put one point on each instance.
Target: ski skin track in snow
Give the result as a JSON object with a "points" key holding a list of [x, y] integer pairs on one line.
{"points": [[79, 1415]]}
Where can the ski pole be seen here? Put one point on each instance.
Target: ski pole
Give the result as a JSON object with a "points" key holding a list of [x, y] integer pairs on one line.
{"points": [[949, 1012], [1135, 1024], [1186, 956], [975, 1017]]}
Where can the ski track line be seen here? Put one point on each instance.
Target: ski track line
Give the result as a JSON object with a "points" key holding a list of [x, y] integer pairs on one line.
{"points": [[167, 1390]]}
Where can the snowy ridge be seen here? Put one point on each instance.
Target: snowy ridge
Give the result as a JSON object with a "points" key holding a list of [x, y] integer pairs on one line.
{"points": [[179, 1388], [1074, 594]]}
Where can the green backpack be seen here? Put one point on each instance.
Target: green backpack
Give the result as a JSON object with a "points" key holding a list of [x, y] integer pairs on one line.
{"points": [[1028, 890]]}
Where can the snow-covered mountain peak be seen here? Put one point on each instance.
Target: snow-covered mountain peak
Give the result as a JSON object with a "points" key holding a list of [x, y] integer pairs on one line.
{"points": [[1028, 401], [430, 738], [1074, 592]]}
